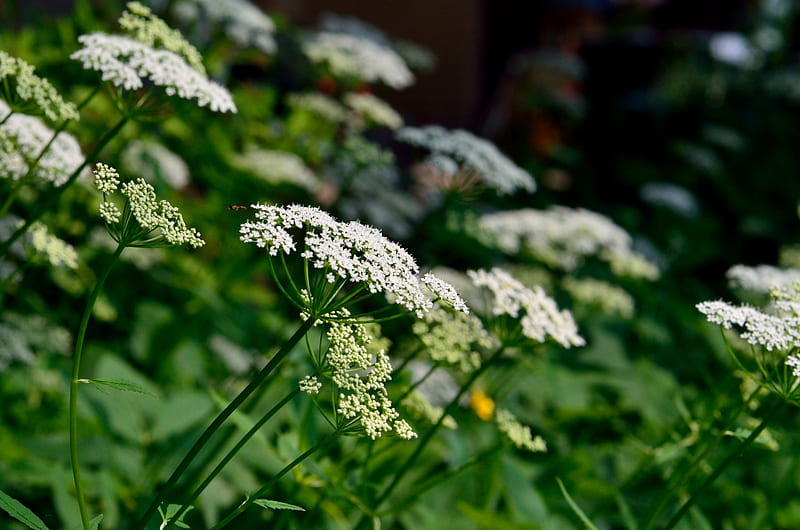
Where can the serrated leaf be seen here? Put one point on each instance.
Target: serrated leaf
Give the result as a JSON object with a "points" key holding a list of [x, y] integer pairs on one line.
{"points": [[124, 386], [277, 505], [18, 511], [575, 508]]}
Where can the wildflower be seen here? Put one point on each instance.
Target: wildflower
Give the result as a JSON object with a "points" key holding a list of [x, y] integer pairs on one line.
{"points": [[482, 404], [374, 110], [453, 338], [360, 377], [148, 159], [761, 278], [243, 22], [349, 251], [772, 331], [471, 155], [28, 93], [605, 297], [564, 237], [538, 315], [22, 139], [520, 435], [310, 385], [276, 167], [157, 223], [128, 63], [56, 251]]}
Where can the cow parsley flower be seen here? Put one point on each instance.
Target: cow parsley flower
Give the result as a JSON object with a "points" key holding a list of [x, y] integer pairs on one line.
{"points": [[242, 21], [519, 434], [58, 252], [564, 237], [453, 338], [348, 251], [602, 296], [28, 93], [537, 313], [146, 221], [772, 331], [761, 279], [22, 139], [471, 155], [310, 385], [374, 110]]}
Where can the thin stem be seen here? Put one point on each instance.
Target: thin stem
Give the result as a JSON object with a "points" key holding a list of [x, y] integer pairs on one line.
{"points": [[57, 192], [220, 419], [73, 389], [737, 451], [291, 465], [233, 452]]}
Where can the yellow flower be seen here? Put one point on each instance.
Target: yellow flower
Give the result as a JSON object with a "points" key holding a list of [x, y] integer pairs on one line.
{"points": [[482, 404]]}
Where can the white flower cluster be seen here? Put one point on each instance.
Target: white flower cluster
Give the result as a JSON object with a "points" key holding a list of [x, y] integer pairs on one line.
{"points": [[146, 159], [159, 220], [671, 196], [772, 331], [453, 338], [374, 110], [276, 167], [520, 435], [243, 22], [538, 314], [127, 63], [142, 25], [465, 151], [360, 58], [310, 385], [360, 377], [563, 237], [22, 139], [57, 251], [318, 104], [350, 250], [609, 299], [761, 279], [30, 92]]}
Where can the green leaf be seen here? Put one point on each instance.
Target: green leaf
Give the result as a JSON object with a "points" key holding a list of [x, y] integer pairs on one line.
{"points": [[172, 509], [277, 505], [575, 508], [19, 512], [125, 386]]}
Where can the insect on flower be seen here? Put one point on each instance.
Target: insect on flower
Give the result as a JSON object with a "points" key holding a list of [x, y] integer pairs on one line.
{"points": [[236, 208]]}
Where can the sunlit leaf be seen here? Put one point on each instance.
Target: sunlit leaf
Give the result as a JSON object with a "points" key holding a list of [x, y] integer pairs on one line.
{"points": [[18, 511]]}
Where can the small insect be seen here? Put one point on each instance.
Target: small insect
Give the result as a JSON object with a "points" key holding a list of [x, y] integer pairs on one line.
{"points": [[236, 208]]}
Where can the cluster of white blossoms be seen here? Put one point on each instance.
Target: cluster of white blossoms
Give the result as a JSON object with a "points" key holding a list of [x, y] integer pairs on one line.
{"points": [[357, 57], [519, 434], [149, 159], [350, 251], [310, 385], [761, 279], [276, 167], [460, 150], [58, 252], [374, 110], [360, 376], [607, 298], [26, 92], [22, 139], [671, 196], [159, 222], [453, 338], [777, 330], [538, 314], [242, 21], [318, 104], [563, 237], [129, 63]]}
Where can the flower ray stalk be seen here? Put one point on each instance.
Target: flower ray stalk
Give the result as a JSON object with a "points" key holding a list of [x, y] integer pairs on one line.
{"points": [[259, 378], [229, 456], [73, 389], [56, 193]]}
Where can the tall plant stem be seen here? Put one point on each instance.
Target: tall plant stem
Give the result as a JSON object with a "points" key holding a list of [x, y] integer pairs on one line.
{"points": [[73, 389], [259, 378], [232, 453], [734, 453], [425, 440], [56, 193], [266, 487]]}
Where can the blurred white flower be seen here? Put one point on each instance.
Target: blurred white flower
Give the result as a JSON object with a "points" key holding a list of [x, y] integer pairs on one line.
{"points": [[733, 49]]}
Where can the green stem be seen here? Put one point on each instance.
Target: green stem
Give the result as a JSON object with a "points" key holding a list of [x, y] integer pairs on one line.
{"points": [[56, 193], [426, 439], [233, 452], [736, 452], [291, 465], [220, 419], [73, 389]]}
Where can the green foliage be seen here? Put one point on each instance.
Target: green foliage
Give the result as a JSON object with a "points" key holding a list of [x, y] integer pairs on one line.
{"points": [[19, 512]]}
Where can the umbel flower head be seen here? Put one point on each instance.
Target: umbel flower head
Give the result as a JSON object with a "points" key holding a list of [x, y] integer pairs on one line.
{"points": [[144, 221], [242, 21], [22, 140], [28, 93], [347, 252], [460, 153], [537, 314], [519, 434], [152, 54]]}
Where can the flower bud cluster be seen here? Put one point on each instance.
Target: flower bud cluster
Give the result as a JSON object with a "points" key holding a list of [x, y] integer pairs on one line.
{"points": [[24, 89], [519, 434]]}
